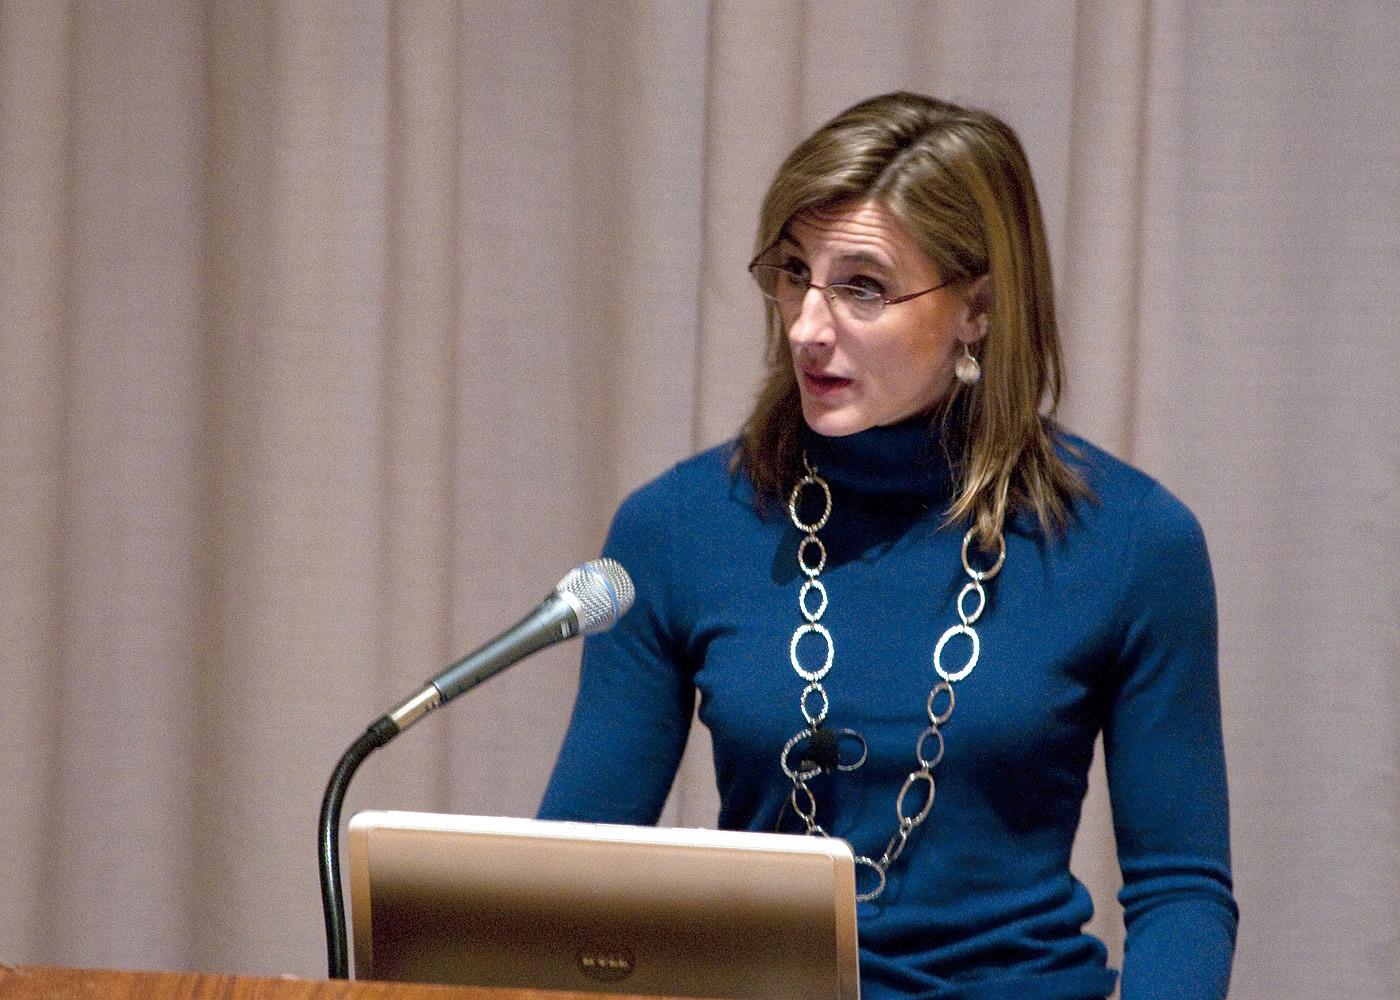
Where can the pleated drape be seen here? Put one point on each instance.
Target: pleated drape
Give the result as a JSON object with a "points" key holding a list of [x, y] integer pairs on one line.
{"points": [[332, 333]]}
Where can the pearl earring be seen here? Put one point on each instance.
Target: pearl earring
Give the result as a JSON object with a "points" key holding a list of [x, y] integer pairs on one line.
{"points": [[966, 368]]}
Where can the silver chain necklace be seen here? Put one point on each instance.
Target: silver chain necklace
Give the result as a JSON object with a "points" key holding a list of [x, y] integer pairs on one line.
{"points": [[815, 704]]}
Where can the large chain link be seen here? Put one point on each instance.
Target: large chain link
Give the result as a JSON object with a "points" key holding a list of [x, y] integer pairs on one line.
{"points": [[815, 704]]}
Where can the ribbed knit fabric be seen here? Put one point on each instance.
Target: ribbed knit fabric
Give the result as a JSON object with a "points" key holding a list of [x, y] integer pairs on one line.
{"points": [[1107, 628]]}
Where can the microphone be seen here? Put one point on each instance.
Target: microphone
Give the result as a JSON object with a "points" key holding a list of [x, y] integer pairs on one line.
{"points": [[590, 599]]}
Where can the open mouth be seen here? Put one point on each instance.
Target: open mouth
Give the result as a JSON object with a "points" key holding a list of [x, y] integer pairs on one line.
{"points": [[823, 384]]}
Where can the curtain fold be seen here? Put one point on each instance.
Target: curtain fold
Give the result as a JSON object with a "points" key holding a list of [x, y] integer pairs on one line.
{"points": [[35, 65], [331, 334]]}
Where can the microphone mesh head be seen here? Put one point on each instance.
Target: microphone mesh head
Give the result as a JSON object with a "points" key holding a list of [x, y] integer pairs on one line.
{"points": [[604, 592]]}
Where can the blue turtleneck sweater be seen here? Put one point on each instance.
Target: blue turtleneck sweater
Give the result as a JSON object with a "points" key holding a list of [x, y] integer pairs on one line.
{"points": [[1108, 628]]}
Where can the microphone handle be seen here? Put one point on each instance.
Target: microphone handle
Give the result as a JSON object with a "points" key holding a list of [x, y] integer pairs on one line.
{"points": [[553, 620]]}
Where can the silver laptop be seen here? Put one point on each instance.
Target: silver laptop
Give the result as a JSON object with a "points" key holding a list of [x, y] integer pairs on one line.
{"points": [[491, 901]]}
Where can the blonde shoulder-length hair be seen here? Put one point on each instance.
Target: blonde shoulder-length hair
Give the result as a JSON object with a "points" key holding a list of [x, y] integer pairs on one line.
{"points": [[958, 180]]}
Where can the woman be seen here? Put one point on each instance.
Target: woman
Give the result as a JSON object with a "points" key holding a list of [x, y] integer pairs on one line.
{"points": [[904, 575]]}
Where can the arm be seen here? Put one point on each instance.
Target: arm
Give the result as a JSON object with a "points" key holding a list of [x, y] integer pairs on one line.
{"points": [[635, 699], [1166, 765]]}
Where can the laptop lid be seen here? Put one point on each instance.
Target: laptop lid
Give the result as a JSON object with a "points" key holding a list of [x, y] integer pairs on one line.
{"points": [[494, 901]]}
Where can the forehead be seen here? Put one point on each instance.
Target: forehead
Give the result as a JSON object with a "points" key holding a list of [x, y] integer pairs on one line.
{"points": [[863, 230]]}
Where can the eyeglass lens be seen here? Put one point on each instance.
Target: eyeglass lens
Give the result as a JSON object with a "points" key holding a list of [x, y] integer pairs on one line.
{"points": [[788, 289]]}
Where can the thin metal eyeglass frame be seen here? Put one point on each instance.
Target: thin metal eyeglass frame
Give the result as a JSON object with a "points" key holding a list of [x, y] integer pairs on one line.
{"points": [[826, 290]]}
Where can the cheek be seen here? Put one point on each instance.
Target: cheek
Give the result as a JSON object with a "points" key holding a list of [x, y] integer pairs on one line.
{"points": [[913, 372], [912, 361]]}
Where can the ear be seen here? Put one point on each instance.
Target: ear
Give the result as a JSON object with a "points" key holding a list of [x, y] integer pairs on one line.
{"points": [[979, 310]]}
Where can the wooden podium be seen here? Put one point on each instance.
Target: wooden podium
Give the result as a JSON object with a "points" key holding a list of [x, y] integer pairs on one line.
{"points": [[30, 982]]}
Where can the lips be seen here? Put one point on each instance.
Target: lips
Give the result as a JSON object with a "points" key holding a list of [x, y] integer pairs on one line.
{"points": [[822, 383]]}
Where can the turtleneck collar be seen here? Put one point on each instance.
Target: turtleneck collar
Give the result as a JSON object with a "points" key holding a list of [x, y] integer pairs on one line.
{"points": [[901, 460]]}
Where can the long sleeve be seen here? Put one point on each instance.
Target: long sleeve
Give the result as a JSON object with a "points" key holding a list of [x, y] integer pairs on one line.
{"points": [[633, 712], [1166, 765]]}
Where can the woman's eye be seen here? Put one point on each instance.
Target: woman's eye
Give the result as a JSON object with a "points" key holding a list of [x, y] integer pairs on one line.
{"points": [[796, 269], [865, 289]]}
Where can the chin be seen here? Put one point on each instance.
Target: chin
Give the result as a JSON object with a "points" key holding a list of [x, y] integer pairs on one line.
{"points": [[835, 423]]}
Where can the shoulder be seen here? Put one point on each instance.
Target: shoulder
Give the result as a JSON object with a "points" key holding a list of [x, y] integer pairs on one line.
{"points": [[697, 490], [1142, 541], [706, 475], [709, 470], [679, 530], [1132, 535], [1123, 497]]}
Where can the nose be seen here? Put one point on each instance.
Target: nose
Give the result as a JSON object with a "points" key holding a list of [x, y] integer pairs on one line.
{"points": [[813, 328]]}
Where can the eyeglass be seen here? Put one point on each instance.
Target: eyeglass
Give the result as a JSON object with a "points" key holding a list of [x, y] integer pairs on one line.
{"points": [[787, 288]]}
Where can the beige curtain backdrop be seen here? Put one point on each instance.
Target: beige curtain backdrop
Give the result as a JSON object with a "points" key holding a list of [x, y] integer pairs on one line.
{"points": [[332, 333]]}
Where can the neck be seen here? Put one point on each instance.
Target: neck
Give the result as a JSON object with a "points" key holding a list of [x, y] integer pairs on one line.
{"points": [[907, 459]]}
